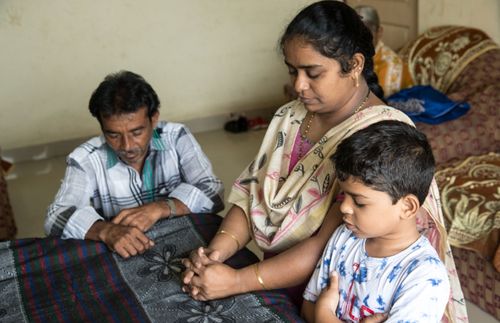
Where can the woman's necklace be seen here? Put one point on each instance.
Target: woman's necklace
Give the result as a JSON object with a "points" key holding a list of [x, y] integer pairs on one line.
{"points": [[362, 103], [303, 136]]}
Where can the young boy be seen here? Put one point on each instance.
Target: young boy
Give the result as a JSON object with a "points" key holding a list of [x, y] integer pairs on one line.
{"points": [[377, 261]]}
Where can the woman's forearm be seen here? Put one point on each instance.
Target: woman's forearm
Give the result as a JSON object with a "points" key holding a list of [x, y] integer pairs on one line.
{"points": [[295, 265], [289, 268], [233, 234]]}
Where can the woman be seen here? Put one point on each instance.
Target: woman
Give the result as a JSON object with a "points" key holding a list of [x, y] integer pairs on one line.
{"points": [[285, 199]]}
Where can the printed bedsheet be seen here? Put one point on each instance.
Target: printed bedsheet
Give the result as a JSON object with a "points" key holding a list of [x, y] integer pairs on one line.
{"points": [[54, 280]]}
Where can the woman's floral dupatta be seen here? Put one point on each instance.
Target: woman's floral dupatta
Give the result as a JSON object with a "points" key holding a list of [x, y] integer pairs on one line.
{"points": [[285, 208]]}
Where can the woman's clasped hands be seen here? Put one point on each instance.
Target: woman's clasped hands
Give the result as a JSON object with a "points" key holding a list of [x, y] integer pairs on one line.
{"points": [[207, 278]]}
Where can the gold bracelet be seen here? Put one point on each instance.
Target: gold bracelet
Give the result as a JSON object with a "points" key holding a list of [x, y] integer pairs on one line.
{"points": [[232, 236], [261, 282]]}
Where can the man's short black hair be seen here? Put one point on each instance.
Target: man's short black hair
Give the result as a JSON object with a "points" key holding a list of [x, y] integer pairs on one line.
{"points": [[121, 93], [388, 156]]}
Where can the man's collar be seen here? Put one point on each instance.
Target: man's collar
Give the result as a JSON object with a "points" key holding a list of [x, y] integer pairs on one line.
{"points": [[156, 142], [112, 158]]}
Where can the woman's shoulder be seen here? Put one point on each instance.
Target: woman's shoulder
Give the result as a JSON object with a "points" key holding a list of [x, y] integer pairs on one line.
{"points": [[386, 112], [383, 107], [290, 108]]}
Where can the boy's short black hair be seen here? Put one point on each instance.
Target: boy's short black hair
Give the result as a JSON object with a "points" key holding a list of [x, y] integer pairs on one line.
{"points": [[388, 156], [121, 93]]}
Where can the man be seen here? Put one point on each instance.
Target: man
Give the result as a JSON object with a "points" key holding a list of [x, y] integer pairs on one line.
{"points": [[139, 171], [391, 73]]}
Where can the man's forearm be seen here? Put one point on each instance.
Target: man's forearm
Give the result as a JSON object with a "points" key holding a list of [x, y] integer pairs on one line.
{"points": [[178, 208]]}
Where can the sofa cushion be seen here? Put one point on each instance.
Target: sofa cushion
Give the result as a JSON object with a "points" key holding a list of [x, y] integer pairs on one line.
{"points": [[470, 196], [440, 54]]}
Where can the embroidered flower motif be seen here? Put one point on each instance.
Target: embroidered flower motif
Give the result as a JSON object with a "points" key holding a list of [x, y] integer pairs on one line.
{"points": [[207, 312], [443, 62], [441, 47], [459, 43], [165, 265]]}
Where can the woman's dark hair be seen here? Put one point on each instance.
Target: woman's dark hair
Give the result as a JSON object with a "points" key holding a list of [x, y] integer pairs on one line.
{"points": [[123, 92], [336, 31]]}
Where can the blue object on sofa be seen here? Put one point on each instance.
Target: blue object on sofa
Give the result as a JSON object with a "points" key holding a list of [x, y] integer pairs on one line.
{"points": [[423, 103]]}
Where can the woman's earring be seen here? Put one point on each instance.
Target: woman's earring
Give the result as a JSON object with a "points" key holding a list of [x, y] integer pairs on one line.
{"points": [[357, 81]]}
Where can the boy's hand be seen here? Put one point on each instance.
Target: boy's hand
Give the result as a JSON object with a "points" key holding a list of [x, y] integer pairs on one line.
{"points": [[329, 297], [375, 318], [328, 300]]}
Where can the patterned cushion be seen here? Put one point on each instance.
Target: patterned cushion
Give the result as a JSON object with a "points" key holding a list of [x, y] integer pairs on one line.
{"points": [[440, 54], [470, 196]]}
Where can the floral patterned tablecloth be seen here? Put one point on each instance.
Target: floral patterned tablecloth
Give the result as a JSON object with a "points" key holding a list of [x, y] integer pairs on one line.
{"points": [[55, 280]]}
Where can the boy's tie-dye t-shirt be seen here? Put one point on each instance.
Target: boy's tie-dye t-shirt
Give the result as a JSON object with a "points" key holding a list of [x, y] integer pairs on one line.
{"points": [[411, 286]]}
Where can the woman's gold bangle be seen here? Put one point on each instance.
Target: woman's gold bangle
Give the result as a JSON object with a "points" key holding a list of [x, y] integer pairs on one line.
{"points": [[261, 282], [232, 236]]}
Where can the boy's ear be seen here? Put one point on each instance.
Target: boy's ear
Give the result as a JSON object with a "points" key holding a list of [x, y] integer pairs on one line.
{"points": [[410, 205]]}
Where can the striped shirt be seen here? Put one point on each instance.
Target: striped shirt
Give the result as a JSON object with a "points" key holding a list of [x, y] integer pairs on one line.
{"points": [[98, 185]]}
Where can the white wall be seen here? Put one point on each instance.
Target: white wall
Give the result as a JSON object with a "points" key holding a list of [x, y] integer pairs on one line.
{"points": [[482, 14], [203, 57]]}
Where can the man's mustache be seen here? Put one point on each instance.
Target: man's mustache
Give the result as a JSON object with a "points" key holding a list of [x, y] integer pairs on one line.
{"points": [[124, 153]]}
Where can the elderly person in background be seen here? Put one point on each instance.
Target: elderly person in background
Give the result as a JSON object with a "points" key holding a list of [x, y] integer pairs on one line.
{"points": [[140, 170], [387, 64]]}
